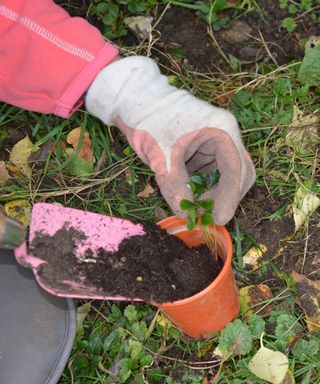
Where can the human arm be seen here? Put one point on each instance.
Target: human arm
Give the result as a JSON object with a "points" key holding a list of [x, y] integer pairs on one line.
{"points": [[174, 133], [47, 58]]}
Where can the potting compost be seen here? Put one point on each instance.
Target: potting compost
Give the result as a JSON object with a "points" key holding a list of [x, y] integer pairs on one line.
{"points": [[154, 267]]}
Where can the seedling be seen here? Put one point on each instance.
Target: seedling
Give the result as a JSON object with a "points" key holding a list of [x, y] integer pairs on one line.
{"points": [[200, 211]]}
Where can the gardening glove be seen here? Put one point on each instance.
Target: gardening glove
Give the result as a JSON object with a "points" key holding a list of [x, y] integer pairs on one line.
{"points": [[174, 133], [12, 233]]}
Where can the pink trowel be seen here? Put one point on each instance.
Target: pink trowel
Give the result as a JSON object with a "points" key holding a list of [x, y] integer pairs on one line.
{"points": [[101, 232]]}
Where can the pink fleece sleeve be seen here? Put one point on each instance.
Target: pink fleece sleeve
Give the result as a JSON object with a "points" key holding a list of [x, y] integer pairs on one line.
{"points": [[47, 58]]}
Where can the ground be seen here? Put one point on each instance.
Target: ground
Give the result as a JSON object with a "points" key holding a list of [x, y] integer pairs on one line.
{"points": [[244, 60]]}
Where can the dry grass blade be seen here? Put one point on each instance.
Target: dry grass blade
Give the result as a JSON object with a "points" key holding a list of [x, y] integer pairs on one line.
{"points": [[210, 240]]}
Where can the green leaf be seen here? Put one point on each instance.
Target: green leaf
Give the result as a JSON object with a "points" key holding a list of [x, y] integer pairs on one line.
{"points": [[310, 67], [293, 9], [102, 7], [185, 204], [256, 325], [125, 369], [305, 347], [139, 330], [135, 347], [130, 312], [235, 339], [96, 342], [283, 4], [80, 168], [206, 204], [289, 24], [190, 225], [207, 218]]}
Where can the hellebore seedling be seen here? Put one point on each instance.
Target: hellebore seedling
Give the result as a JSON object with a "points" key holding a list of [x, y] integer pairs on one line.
{"points": [[200, 211]]}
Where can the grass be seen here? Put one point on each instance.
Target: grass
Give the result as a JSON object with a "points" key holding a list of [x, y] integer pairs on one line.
{"points": [[132, 343]]}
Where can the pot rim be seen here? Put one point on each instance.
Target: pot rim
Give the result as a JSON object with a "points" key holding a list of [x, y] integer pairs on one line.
{"points": [[225, 269]]}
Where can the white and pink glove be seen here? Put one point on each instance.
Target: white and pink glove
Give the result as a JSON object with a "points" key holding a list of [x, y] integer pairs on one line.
{"points": [[174, 133]]}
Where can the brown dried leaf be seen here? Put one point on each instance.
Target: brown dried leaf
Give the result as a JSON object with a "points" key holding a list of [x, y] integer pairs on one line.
{"points": [[308, 298], [85, 153], [146, 192], [4, 175]]}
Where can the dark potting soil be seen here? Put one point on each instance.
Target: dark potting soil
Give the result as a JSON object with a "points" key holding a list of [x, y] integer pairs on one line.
{"points": [[154, 267]]}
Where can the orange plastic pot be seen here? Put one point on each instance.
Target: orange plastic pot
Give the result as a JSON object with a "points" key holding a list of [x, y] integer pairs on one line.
{"points": [[211, 309]]}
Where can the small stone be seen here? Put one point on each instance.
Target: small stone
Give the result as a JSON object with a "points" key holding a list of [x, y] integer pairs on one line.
{"points": [[139, 279], [238, 32]]}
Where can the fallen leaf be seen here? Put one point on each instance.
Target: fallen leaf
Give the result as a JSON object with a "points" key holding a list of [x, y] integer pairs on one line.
{"points": [[148, 190], [252, 260], [82, 313], [308, 298], [85, 152], [163, 320], [4, 175], [269, 365], [305, 203], [19, 156], [140, 25], [39, 157], [252, 299], [77, 166], [19, 210], [310, 66]]}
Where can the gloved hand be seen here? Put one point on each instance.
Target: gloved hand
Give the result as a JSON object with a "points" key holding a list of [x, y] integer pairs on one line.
{"points": [[174, 133], [12, 233]]}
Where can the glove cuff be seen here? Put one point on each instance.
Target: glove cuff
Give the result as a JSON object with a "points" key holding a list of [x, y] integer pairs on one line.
{"points": [[124, 88]]}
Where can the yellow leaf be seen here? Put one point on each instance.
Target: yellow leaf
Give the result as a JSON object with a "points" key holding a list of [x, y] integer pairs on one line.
{"points": [[163, 321], [251, 297], [146, 192], [269, 365], [85, 152], [253, 258], [20, 154], [19, 210], [4, 175], [302, 135], [305, 203], [308, 298]]}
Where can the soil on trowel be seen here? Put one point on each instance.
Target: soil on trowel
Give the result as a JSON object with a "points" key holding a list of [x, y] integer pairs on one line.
{"points": [[154, 267]]}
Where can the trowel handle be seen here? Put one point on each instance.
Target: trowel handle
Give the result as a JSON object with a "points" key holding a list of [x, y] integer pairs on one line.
{"points": [[12, 232]]}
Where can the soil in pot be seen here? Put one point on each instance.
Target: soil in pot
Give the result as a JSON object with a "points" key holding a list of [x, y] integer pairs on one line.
{"points": [[155, 267]]}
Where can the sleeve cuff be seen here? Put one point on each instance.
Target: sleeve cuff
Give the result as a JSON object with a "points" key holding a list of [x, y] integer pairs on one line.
{"points": [[72, 99]]}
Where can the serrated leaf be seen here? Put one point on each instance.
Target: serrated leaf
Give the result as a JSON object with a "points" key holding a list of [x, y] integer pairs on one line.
{"points": [[256, 325], [139, 330], [310, 67], [305, 347], [235, 339], [135, 348], [19, 155], [130, 312], [269, 365]]}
